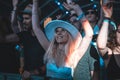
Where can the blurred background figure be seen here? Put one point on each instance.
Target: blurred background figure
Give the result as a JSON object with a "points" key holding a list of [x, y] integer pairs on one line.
{"points": [[9, 62], [18, 12], [89, 63], [33, 52], [108, 45]]}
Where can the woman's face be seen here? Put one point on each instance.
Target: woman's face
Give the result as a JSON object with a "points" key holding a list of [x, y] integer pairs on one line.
{"points": [[91, 15], [118, 35], [61, 36]]}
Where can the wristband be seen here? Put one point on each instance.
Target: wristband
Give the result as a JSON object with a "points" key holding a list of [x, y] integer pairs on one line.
{"points": [[80, 16], [111, 22], [106, 20], [114, 25]]}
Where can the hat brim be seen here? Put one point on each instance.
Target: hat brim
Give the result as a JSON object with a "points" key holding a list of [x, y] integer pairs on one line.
{"points": [[52, 25]]}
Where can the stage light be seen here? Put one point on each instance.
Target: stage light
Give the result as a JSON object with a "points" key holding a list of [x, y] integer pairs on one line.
{"points": [[91, 0], [94, 6], [67, 12], [58, 3]]}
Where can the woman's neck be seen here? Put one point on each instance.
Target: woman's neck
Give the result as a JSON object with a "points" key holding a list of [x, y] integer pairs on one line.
{"points": [[60, 55], [61, 46]]}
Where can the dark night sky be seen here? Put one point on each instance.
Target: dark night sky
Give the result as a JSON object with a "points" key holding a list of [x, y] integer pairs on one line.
{"points": [[49, 6]]}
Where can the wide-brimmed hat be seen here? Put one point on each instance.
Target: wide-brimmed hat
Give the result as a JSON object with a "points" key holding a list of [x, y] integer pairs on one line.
{"points": [[52, 25]]}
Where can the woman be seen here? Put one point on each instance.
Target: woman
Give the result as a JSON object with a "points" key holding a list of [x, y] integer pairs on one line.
{"points": [[109, 46], [64, 45]]}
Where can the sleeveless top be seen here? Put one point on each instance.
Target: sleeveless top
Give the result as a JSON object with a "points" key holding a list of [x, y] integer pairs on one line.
{"points": [[58, 73], [113, 70], [33, 51]]}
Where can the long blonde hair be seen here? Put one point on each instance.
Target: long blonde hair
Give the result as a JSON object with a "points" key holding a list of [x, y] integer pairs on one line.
{"points": [[57, 56]]}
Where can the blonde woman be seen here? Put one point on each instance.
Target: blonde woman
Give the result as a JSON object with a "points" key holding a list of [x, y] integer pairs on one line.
{"points": [[63, 43]]}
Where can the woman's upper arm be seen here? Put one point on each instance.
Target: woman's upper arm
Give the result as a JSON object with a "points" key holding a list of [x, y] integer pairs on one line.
{"points": [[36, 27], [84, 45]]}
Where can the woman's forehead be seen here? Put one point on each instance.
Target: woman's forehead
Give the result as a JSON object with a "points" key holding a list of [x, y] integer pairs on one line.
{"points": [[59, 28]]}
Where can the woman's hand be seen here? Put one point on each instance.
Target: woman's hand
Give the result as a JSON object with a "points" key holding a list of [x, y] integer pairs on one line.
{"points": [[73, 7], [107, 11]]}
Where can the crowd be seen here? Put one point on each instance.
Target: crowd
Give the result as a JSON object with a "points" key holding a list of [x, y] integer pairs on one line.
{"points": [[75, 48]]}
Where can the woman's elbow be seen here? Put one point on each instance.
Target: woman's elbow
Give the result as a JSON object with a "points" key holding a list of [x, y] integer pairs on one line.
{"points": [[101, 47]]}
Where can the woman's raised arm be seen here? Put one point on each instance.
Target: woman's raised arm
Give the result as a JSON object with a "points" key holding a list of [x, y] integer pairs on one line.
{"points": [[103, 34], [36, 26]]}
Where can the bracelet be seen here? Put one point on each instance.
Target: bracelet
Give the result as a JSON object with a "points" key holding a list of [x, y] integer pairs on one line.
{"points": [[80, 16], [114, 25], [111, 22], [106, 20]]}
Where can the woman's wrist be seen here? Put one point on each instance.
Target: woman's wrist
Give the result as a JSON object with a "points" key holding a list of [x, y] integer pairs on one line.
{"points": [[108, 18], [80, 16], [110, 21]]}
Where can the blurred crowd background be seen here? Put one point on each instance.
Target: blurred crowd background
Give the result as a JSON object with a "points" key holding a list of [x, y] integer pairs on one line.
{"points": [[49, 8]]}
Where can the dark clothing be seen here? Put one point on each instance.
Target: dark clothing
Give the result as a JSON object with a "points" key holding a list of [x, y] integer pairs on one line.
{"points": [[113, 70], [33, 52], [9, 61]]}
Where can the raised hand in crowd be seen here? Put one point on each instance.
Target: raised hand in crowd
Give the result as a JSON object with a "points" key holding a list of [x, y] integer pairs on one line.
{"points": [[108, 45]]}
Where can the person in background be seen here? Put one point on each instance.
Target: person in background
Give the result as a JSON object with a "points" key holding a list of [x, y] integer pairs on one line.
{"points": [[8, 55], [33, 51], [64, 42], [108, 45], [88, 65]]}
